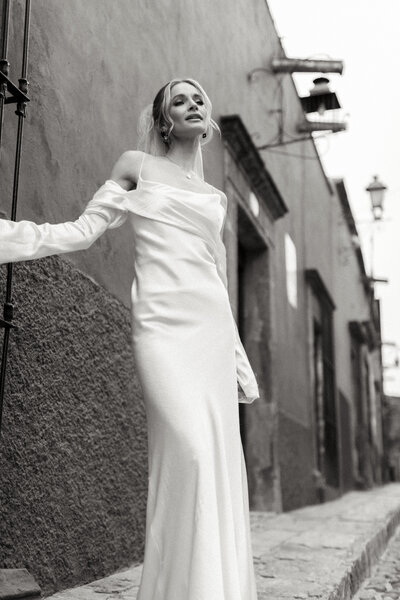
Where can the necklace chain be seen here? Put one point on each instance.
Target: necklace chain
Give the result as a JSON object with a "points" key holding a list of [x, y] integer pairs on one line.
{"points": [[189, 174]]}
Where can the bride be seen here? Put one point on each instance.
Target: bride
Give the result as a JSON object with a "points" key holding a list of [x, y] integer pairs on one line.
{"points": [[191, 363]]}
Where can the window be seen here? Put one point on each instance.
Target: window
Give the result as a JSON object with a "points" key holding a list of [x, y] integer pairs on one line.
{"points": [[291, 270]]}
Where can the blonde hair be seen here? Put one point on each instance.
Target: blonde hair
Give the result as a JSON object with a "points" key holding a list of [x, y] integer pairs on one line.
{"points": [[155, 119]]}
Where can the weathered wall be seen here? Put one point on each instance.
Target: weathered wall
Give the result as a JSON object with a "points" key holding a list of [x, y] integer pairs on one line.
{"points": [[391, 424], [297, 460], [252, 307], [73, 456], [354, 304], [352, 300]]}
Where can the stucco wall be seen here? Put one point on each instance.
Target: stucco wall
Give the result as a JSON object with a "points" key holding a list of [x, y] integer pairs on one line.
{"points": [[354, 304], [352, 300], [296, 459], [73, 456]]}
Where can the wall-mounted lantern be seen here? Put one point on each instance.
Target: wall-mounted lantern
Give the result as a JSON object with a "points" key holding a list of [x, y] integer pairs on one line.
{"points": [[376, 191], [320, 100]]}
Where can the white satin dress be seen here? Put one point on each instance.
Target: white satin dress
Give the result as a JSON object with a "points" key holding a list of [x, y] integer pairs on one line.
{"points": [[189, 359]]}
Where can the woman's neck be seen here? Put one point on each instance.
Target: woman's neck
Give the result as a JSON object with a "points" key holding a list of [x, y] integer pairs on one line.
{"points": [[184, 153]]}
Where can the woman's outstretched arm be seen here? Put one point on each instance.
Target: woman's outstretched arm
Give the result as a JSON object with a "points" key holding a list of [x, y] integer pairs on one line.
{"points": [[25, 240]]}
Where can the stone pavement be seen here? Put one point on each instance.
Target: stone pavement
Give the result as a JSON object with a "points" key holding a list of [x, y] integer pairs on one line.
{"points": [[323, 551]]}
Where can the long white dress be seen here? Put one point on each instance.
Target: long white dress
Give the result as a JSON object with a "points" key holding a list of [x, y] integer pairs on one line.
{"points": [[189, 358]]}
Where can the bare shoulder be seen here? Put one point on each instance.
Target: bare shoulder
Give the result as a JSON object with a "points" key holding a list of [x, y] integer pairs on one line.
{"points": [[127, 168]]}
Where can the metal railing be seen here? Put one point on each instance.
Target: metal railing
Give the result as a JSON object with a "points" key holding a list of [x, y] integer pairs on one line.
{"points": [[12, 94]]}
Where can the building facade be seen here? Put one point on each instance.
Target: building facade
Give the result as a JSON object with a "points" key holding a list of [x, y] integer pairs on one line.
{"points": [[73, 470], [391, 437]]}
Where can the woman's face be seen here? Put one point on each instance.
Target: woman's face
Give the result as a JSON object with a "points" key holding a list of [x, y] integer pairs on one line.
{"points": [[187, 111]]}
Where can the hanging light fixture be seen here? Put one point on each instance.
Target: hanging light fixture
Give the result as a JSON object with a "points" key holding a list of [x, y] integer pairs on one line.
{"points": [[321, 98], [376, 191]]}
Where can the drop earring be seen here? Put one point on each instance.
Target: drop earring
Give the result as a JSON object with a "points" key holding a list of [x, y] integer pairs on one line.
{"points": [[164, 136]]}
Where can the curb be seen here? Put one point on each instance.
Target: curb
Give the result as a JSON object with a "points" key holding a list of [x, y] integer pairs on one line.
{"points": [[362, 566]]}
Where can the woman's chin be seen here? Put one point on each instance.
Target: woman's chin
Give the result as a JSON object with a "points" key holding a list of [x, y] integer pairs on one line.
{"points": [[191, 133]]}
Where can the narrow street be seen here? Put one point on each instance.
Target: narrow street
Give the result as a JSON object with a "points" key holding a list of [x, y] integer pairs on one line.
{"points": [[321, 551]]}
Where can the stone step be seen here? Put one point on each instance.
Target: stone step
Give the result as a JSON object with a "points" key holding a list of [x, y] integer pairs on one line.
{"points": [[17, 583]]}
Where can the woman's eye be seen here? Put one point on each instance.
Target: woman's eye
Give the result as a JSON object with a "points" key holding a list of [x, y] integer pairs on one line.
{"points": [[179, 102]]}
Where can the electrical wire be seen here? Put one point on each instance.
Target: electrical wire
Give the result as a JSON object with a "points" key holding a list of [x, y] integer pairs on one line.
{"points": [[280, 116], [294, 155], [308, 157]]}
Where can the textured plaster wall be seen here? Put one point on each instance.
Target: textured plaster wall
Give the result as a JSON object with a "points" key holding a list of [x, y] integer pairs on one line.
{"points": [[354, 305], [296, 457], [351, 305], [351, 298], [73, 456]]}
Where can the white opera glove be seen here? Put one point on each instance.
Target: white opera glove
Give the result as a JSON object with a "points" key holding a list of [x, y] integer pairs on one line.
{"points": [[245, 374], [25, 240]]}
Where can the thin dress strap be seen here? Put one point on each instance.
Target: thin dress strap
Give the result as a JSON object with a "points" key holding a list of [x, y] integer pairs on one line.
{"points": [[141, 166]]}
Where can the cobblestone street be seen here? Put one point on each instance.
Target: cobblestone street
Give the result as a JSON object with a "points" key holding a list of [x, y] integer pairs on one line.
{"points": [[384, 583], [320, 552]]}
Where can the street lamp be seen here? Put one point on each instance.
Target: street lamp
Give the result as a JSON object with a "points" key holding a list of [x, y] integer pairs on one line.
{"points": [[376, 191]]}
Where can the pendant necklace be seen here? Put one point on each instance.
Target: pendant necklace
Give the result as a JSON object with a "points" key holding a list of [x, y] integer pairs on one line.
{"points": [[189, 174]]}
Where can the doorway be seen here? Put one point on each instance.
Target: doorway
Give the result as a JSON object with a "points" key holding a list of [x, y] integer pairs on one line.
{"points": [[242, 271]]}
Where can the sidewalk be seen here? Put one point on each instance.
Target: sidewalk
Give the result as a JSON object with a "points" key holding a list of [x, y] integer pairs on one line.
{"points": [[322, 551]]}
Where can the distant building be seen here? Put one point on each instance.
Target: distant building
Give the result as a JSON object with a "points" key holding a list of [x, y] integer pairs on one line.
{"points": [[359, 358], [391, 436]]}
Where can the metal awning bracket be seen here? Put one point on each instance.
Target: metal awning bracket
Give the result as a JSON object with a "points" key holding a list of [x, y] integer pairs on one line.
{"points": [[16, 94]]}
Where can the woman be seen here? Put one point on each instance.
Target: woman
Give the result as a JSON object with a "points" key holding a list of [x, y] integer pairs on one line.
{"points": [[187, 348]]}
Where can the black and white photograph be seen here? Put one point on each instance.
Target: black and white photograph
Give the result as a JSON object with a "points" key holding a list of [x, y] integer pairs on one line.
{"points": [[200, 292]]}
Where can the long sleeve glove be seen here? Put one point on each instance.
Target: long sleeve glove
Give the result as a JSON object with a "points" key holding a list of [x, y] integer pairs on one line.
{"points": [[245, 374], [24, 240]]}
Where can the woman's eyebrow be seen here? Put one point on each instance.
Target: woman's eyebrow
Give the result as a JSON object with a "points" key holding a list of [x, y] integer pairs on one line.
{"points": [[185, 95]]}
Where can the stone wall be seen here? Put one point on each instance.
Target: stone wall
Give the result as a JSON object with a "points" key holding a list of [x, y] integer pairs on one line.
{"points": [[73, 456]]}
